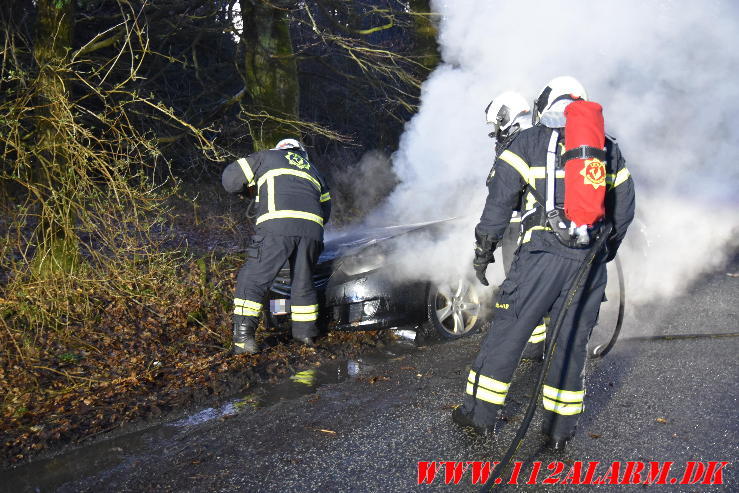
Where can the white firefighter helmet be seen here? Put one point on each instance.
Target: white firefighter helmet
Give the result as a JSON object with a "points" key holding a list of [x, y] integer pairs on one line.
{"points": [[289, 144], [560, 88], [504, 111]]}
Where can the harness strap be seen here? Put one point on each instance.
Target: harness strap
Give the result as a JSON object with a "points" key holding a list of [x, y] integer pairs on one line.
{"points": [[584, 152], [551, 161]]}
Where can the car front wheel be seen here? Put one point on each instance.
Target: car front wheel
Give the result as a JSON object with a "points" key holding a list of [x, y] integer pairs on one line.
{"points": [[454, 309]]}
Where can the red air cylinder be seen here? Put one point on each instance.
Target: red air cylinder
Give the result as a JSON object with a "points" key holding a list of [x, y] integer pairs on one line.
{"points": [[585, 179]]}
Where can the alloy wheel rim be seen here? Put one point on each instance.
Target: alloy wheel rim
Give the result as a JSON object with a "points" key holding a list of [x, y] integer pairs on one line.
{"points": [[457, 307]]}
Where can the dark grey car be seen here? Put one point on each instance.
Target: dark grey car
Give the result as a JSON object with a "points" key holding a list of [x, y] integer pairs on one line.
{"points": [[359, 290]]}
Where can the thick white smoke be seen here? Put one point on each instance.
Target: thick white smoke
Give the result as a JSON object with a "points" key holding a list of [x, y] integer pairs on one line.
{"points": [[665, 73]]}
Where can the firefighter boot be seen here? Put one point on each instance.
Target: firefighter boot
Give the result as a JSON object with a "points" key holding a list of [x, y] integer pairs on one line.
{"points": [[244, 340], [463, 420], [307, 340], [555, 439], [557, 444]]}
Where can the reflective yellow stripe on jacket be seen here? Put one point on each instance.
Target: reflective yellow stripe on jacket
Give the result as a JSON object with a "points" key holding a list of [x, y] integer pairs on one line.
{"points": [[288, 214], [614, 180], [244, 165], [271, 174], [272, 212], [517, 163]]}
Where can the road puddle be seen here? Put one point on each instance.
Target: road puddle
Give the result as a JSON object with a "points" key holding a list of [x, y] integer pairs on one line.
{"points": [[48, 474]]}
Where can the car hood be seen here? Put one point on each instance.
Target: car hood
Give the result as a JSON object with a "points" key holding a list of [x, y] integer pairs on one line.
{"points": [[354, 240]]}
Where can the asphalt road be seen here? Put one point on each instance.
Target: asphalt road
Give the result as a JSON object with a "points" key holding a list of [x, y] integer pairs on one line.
{"points": [[648, 400]]}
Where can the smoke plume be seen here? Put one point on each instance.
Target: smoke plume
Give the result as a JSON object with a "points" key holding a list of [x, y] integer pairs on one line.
{"points": [[665, 73]]}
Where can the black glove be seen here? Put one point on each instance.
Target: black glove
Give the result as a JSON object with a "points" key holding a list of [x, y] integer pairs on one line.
{"points": [[484, 248], [612, 249]]}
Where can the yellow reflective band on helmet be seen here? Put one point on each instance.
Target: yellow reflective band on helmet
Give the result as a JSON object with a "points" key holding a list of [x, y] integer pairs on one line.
{"points": [[247, 303], [614, 180], [246, 312], [244, 165], [517, 163], [271, 174], [564, 409], [485, 395], [563, 395], [489, 383], [304, 308], [325, 197], [287, 214], [527, 234]]}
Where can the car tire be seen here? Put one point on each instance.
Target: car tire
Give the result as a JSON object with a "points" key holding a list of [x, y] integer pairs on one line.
{"points": [[453, 310]]}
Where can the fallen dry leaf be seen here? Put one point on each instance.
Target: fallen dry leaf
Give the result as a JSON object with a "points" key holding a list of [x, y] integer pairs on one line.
{"points": [[661, 420]]}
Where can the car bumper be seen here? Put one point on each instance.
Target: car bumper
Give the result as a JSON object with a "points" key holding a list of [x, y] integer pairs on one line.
{"points": [[365, 302]]}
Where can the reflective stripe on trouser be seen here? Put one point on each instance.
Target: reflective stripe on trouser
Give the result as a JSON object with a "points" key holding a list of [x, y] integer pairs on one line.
{"points": [[486, 389], [247, 308], [539, 334], [266, 255], [305, 313], [536, 286], [564, 402]]}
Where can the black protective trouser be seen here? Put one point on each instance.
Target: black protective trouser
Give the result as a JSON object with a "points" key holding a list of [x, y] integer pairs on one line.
{"points": [[266, 255], [535, 346], [537, 284]]}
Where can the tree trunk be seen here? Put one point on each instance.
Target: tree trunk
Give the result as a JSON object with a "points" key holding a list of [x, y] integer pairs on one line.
{"points": [[53, 180], [270, 72], [424, 34]]}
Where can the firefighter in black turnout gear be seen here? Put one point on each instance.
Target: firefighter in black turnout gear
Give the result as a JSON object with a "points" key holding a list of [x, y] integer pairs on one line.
{"points": [[509, 113], [293, 205], [543, 268]]}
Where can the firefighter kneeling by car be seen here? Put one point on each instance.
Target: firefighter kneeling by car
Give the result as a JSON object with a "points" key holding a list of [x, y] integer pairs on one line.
{"points": [[293, 205], [572, 178]]}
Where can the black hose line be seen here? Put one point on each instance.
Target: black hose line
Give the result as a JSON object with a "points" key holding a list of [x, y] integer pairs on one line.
{"points": [[251, 210], [603, 349], [580, 277]]}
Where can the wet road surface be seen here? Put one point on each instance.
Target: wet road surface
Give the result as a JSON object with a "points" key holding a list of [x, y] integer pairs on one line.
{"points": [[363, 425]]}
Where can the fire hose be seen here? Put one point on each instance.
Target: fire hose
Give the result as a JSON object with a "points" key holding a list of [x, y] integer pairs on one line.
{"points": [[603, 349], [577, 282]]}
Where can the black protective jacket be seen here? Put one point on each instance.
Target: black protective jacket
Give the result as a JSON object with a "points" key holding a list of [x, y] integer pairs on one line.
{"points": [[292, 197], [523, 165]]}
